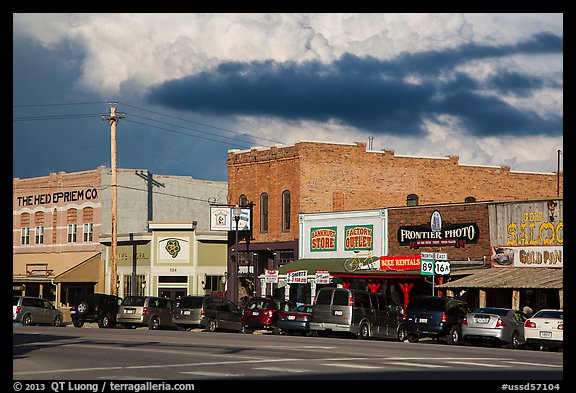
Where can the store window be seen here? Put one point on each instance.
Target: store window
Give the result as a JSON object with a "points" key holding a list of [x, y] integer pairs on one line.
{"points": [[72, 233], [39, 235], [470, 199], [412, 200], [88, 229], [286, 210], [264, 212], [25, 235], [140, 284]]}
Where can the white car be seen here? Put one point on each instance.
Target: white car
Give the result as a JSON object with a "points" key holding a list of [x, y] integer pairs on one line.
{"points": [[545, 329]]}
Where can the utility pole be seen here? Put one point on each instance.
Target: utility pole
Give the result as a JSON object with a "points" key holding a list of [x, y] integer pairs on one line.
{"points": [[113, 119]]}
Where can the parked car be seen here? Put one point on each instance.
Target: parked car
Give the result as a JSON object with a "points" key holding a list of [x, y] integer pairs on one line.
{"points": [[545, 329], [96, 307], [151, 311], [29, 310], [295, 321], [188, 310], [261, 313], [494, 325], [221, 315], [436, 317], [356, 312]]}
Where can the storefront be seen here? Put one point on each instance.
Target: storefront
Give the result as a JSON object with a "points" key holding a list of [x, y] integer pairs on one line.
{"points": [[526, 243]]}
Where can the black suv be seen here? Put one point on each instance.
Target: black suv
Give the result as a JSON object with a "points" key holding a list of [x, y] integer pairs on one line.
{"points": [[96, 307], [436, 317]]}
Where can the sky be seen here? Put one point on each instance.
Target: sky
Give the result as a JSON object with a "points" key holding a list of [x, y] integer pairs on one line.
{"points": [[190, 87]]}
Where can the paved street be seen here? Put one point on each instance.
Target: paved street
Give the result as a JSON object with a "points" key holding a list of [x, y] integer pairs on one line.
{"points": [[66, 353]]}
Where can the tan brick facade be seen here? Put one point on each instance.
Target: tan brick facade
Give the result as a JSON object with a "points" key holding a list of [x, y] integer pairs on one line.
{"points": [[334, 177], [52, 202]]}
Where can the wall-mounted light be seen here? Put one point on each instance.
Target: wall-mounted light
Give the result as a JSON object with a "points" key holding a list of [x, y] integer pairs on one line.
{"points": [[551, 207]]}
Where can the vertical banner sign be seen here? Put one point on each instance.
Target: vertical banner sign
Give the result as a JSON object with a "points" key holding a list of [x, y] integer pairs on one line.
{"points": [[271, 276], [427, 264]]}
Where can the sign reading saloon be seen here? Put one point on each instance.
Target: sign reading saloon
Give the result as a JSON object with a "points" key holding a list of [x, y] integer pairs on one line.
{"points": [[358, 237], [323, 239]]}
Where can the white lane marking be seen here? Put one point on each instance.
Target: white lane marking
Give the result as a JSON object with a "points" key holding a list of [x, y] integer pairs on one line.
{"points": [[351, 365], [479, 364], [536, 364], [417, 364], [280, 369], [210, 374]]}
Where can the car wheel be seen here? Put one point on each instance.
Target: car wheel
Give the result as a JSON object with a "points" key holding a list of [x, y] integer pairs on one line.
{"points": [[211, 325], [57, 321], [104, 322], [402, 334], [454, 337], [412, 338], [364, 333], [27, 320], [154, 324], [78, 324], [515, 343]]}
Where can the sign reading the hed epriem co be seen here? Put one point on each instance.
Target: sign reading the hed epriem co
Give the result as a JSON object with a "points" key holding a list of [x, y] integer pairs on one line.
{"points": [[60, 196]]}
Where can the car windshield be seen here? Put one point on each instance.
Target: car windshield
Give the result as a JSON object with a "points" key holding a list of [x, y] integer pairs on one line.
{"points": [[15, 300], [190, 302], [257, 304], [134, 301], [502, 312], [549, 314]]}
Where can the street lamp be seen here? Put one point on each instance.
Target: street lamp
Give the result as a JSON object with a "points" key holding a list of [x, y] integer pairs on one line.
{"points": [[236, 212]]}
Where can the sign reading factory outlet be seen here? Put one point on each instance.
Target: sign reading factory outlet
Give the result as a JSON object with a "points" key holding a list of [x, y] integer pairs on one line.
{"points": [[358, 237], [323, 239]]}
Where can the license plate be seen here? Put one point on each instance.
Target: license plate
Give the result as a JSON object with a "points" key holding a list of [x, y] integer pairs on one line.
{"points": [[72, 312], [482, 320], [186, 312], [291, 317], [338, 312], [129, 311], [423, 320], [545, 334], [255, 312]]}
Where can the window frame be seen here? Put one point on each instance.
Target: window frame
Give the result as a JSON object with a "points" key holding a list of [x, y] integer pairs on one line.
{"points": [[72, 235], [286, 227], [264, 212]]}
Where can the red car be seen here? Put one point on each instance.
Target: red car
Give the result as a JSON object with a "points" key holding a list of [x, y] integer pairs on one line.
{"points": [[262, 313]]}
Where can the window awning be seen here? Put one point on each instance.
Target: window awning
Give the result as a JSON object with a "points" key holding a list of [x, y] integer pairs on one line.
{"points": [[516, 278], [82, 266]]}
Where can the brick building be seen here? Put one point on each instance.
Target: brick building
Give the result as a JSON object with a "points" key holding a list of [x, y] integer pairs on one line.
{"points": [[307, 177]]}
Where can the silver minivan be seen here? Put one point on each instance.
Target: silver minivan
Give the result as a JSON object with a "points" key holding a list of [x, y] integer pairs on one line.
{"points": [[29, 310], [154, 312], [356, 312]]}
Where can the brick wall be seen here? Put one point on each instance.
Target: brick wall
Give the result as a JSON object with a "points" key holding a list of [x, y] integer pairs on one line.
{"points": [[334, 177]]}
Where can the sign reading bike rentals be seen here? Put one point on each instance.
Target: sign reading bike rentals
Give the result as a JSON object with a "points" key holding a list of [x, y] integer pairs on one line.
{"points": [[437, 234]]}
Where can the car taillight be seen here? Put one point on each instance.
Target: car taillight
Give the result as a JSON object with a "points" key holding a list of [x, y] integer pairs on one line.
{"points": [[305, 317], [144, 311], [18, 309], [500, 323], [444, 317], [465, 321], [404, 316], [203, 313], [560, 326], [529, 324], [350, 301]]}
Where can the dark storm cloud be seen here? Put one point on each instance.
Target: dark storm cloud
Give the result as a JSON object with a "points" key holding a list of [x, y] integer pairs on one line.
{"points": [[373, 95]]}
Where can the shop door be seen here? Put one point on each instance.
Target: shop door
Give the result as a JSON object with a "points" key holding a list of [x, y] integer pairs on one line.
{"points": [[172, 293]]}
